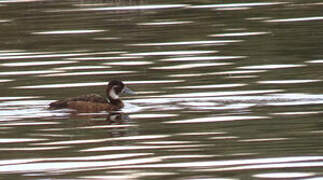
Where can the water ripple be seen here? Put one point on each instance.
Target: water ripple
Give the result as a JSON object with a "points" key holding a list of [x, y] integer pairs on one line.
{"points": [[272, 66], [191, 65], [21, 73], [226, 93], [18, 98], [71, 165], [240, 164], [5, 80], [283, 175], [92, 73], [209, 86], [164, 23], [220, 42], [129, 63], [36, 63], [318, 61], [93, 84], [128, 138], [143, 116], [217, 119], [171, 53], [81, 67], [67, 32], [288, 81], [264, 139], [105, 58], [203, 58], [134, 147], [239, 34], [139, 7], [19, 140], [302, 19], [19, 1], [34, 148], [29, 123], [238, 5], [46, 55]]}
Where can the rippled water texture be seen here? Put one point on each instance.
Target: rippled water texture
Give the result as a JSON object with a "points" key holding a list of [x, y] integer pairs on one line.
{"points": [[225, 89]]}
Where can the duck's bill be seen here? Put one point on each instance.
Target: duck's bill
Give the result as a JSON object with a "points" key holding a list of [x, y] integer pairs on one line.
{"points": [[127, 90]]}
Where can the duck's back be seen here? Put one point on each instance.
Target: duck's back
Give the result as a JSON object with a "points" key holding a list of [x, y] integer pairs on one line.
{"points": [[84, 103]]}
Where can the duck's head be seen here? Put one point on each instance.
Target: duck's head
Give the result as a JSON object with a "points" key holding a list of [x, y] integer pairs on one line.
{"points": [[115, 88]]}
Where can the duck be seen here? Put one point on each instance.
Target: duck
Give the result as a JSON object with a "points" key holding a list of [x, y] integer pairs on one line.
{"points": [[94, 102]]}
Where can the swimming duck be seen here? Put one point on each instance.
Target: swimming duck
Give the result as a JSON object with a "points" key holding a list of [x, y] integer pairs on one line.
{"points": [[95, 102]]}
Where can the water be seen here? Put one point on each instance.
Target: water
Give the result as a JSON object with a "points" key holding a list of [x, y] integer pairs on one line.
{"points": [[224, 90]]}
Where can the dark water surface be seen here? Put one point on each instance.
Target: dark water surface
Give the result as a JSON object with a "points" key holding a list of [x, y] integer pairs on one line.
{"points": [[225, 90]]}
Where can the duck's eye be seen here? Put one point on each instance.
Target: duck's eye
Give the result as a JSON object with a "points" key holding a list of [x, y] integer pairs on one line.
{"points": [[117, 89]]}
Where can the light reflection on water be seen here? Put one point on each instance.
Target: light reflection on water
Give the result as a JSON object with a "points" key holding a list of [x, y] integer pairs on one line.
{"points": [[170, 53], [239, 5], [284, 175], [190, 66], [217, 42], [165, 23], [230, 91], [207, 58], [272, 66], [34, 63], [296, 19], [67, 32], [141, 7], [239, 34]]}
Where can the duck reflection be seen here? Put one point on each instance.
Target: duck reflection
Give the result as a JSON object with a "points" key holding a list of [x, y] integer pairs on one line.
{"points": [[113, 118], [117, 124], [117, 118], [122, 124]]}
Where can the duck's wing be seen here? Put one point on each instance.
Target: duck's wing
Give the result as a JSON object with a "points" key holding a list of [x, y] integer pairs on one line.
{"points": [[94, 98], [89, 98]]}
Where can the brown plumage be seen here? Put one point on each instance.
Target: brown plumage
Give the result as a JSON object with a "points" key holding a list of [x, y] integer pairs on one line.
{"points": [[94, 102]]}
